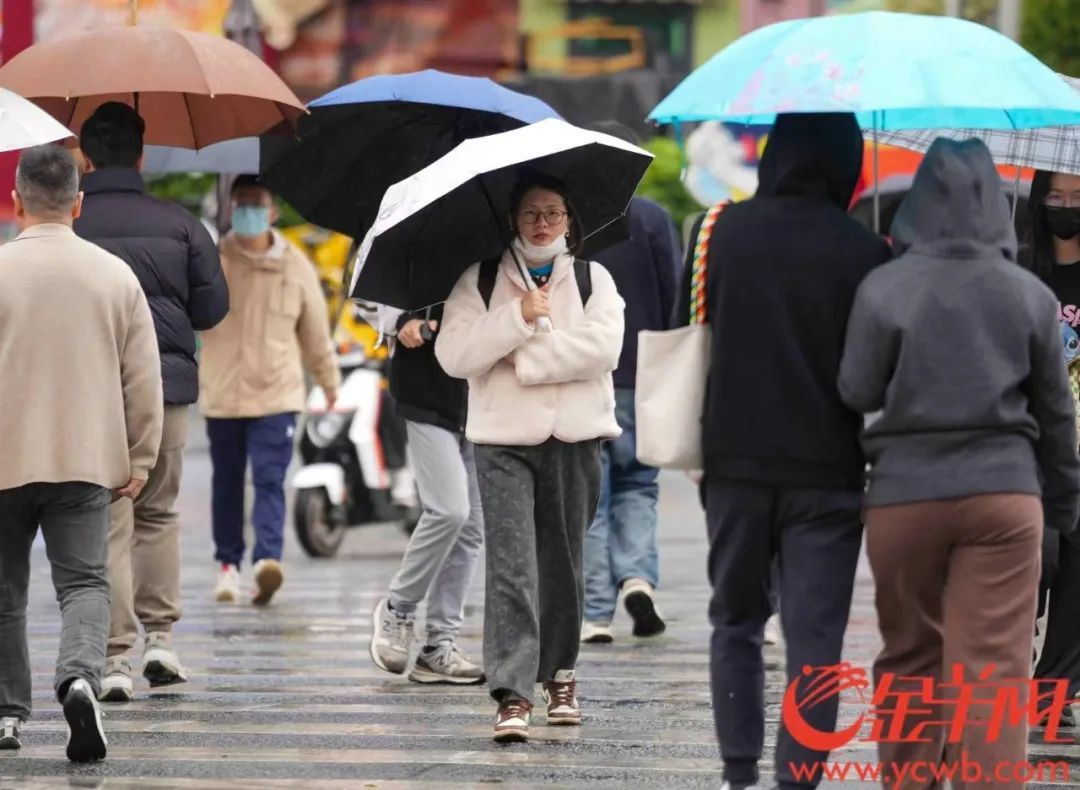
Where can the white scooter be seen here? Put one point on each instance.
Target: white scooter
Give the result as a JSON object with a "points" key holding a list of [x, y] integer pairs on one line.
{"points": [[345, 480]]}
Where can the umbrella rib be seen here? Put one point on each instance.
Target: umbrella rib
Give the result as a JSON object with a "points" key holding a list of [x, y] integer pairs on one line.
{"points": [[191, 120], [198, 61]]}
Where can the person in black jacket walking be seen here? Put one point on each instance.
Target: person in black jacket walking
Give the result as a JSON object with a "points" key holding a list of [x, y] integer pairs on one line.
{"points": [[442, 552], [177, 265], [783, 467]]}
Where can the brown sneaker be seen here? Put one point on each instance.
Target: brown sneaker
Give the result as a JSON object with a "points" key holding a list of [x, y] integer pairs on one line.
{"points": [[561, 697], [512, 721]]}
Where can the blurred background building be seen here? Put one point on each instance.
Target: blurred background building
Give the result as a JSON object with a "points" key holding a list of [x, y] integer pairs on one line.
{"points": [[590, 59]]}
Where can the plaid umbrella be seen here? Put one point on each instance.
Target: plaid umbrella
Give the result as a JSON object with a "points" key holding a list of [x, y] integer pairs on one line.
{"points": [[1054, 148]]}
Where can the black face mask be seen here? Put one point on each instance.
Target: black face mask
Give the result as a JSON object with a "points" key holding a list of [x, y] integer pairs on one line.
{"points": [[1063, 222]]}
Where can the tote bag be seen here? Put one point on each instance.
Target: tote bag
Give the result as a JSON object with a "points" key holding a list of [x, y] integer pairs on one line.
{"points": [[673, 367]]}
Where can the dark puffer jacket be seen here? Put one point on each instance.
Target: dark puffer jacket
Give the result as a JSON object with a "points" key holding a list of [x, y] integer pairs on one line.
{"points": [[175, 260]]}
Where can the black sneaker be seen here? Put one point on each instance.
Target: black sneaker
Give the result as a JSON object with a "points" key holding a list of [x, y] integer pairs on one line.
{"points": [[638, 600], [1068, 718], [9, 733], [86, 739], [1066, 722]]}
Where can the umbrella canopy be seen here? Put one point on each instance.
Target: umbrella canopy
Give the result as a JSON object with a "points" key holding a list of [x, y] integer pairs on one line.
{"points": [[192, 89], [436, 223], [23, 124], [363, 137], [895, 71], [893, 189], [229, 157], [1054, 148]]}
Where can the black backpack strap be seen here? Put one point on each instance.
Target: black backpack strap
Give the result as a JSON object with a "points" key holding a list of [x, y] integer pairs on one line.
{"points": [[485, 281], [583, 275], [489, 270]]}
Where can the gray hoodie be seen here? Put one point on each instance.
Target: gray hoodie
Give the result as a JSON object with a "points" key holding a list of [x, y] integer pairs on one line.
{"points": [[961, 350]]}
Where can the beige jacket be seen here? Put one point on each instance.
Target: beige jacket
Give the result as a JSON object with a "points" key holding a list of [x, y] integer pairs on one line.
{"points": [[252, 363], [80, 377], [527, 385]]}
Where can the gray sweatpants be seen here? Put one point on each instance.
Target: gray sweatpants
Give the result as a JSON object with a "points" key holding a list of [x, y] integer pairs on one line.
{"points": [[74, 518], [445, 546], [538, 502]]}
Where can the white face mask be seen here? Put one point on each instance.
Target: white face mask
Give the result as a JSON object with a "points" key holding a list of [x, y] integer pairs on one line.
{"points": [[539, 255]]}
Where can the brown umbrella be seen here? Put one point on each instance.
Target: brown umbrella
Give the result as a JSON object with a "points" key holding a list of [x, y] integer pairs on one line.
{"points": [[193, 89]]}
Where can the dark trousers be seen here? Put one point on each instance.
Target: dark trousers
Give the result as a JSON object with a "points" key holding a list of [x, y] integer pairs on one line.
{"points": [[538, 502], [268, 443], [1060, 657], [74, 518], [813, 536]]}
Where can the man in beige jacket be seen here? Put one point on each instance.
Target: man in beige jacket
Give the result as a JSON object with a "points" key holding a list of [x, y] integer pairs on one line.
{"points": [[252, 384], [81, 422]]}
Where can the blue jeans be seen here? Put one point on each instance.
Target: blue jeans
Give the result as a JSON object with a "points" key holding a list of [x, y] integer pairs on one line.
{"points": [[268, 443], [621, 541]]}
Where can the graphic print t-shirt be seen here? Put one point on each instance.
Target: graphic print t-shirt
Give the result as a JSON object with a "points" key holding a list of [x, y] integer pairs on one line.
{"points": [[1066, 283]]}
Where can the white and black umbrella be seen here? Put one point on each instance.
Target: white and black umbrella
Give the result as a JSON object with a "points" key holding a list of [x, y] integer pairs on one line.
{"points": [[456, 212]]}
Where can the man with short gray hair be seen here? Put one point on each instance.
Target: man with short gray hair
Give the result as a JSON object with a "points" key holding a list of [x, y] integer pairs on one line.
{"points": [[81, 419]]}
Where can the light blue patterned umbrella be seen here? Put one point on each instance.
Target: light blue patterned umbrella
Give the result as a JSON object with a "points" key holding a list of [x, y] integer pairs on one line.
{"points": [[894, 71]]}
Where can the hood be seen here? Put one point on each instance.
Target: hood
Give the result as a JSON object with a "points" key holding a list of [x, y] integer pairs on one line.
{"points": [[956, 206], [817, 155]]}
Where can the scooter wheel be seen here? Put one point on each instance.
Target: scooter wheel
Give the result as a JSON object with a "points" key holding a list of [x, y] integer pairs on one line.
{"points": [[319, 533]]}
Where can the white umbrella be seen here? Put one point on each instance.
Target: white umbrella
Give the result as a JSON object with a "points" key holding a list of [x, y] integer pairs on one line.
{"points": [[23, 124], [235, 157], [436, 223]]}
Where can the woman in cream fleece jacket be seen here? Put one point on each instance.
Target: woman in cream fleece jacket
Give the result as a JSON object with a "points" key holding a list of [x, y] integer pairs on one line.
{"points": [[539, 363]]}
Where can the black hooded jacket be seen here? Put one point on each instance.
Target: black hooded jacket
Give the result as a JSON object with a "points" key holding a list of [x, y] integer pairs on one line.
{"points": [[783, 270], [175, 260]]}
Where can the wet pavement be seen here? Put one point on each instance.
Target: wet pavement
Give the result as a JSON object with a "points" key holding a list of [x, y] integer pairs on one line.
{"points": [[287, 696]]}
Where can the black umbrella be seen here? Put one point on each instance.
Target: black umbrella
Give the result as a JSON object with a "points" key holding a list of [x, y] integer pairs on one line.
{"points": [[455, 212], [363, 137]]}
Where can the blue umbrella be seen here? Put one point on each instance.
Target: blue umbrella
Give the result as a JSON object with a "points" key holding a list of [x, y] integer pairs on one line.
{"points": [[363, 137], [895, 71]]}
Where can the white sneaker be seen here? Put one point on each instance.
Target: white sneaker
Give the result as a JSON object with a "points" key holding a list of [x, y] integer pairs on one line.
{"points": [[772, 630], [445, 663], [597, 633], [512, 721], [116, 686], [639, 600], [228, 585], [560, 695], [269, 576], [86, 735], [9, 733], [161, 665], [391, 638]]}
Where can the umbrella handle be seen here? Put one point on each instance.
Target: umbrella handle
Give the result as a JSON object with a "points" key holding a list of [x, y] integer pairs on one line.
{"points": [[543, 323]]}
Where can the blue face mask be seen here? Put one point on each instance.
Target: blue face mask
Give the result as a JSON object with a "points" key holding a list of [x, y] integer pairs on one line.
{"points": [[251, 221]]}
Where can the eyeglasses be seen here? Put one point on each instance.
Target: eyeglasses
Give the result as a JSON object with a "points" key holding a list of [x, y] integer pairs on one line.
{"points": [[1061, 200], [552, 216]]}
